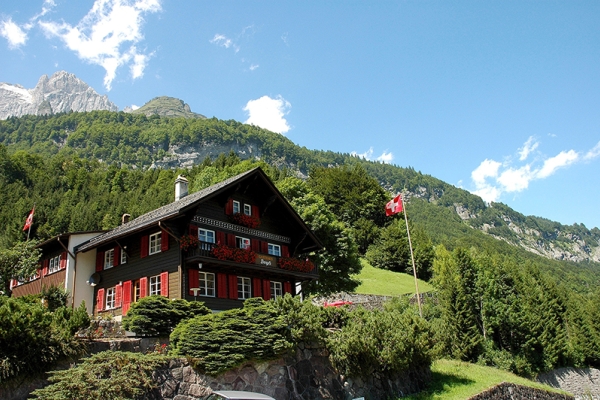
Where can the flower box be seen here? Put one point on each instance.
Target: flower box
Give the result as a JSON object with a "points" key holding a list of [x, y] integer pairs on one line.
{"points": [[295, 264]]}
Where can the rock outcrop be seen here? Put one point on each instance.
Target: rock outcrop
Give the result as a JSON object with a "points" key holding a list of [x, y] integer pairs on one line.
{"points": [[62, 92]]}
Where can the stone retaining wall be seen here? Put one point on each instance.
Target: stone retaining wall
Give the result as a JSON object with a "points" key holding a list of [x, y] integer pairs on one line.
{"points": [[506, 391], [305, 375], [584, 383]]}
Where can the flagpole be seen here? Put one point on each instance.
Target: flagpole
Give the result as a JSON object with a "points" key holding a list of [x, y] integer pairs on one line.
{"points": [[412, 257]]}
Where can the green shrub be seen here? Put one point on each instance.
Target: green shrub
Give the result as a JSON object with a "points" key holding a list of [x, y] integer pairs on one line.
{"points": [[158, 316], [34, 338], [387, 342], [219, 342], [106, 375]]}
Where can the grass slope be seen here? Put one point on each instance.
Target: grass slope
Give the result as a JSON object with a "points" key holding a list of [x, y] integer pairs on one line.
{"points": [[456, 380], [387, 283]]}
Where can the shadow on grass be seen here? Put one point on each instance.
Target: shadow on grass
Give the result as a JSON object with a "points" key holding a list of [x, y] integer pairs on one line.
{"points": [[440, 383]]}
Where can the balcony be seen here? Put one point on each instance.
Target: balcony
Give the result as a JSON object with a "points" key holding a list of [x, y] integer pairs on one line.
{"points": [[212, 253]]}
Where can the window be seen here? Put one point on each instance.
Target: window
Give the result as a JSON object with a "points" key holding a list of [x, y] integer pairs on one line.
{"points": [[276, 290], [154, 285], [207, 284], [109, 257], [247, 209], [110, 298], [274, 250], [236, 206], [123, 257], [54, 264], [137, 290], [242, 243], [155, 241], [205, 236], [243, 288]]}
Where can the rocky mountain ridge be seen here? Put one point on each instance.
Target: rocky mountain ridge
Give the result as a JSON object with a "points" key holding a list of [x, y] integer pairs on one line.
{"points": [[61, 92]]}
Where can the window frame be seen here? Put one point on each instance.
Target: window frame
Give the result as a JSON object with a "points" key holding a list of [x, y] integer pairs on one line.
{"points": [[204, 284], [271, 249], [247, 209], [154, 285], [109, 258], [244, 288], [54, 264], [274, 286], [110, 298], [204, 233], [154, 243], [243, 243], [123, 257], [137, 290], [236, 207]]}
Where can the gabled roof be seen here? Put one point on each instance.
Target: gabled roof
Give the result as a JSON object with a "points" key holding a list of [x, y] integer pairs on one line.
{"points": [[178, 207]]}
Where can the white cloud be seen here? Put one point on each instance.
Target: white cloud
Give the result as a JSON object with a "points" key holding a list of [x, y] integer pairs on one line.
{"points": [[224, 41], [593, 153], [563, 159], [530, 145], [385, 157], [107, 35], [268, 113], [13, 33], [492, 179], [253, 67]]}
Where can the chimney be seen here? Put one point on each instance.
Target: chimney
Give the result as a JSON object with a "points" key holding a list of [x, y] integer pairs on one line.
{"points": [[125, 218], [181, 187]]}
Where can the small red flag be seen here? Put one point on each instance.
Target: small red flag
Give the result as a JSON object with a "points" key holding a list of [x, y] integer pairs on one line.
{"points": [[29, 220], [394, 206]]}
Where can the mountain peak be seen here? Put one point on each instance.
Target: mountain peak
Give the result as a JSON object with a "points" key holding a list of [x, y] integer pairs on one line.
{"points": [[61, 92], [165, 106]]}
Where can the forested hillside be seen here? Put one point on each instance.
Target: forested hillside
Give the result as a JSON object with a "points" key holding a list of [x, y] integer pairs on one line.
{"points": [[84, 170]]}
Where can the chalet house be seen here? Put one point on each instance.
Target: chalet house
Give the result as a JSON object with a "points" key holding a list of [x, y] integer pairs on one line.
{"points": [[234, 240], [60, 266]]}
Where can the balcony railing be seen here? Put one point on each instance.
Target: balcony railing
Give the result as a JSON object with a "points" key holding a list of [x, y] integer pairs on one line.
{"points": [[220, 252]]}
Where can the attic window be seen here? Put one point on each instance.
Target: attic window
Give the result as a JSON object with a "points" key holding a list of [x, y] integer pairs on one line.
{"points": [[236, 206], [247, 209], [155, 243]]}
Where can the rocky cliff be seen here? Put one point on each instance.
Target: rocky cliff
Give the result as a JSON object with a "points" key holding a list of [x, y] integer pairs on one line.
{"points": [[61, 92]]}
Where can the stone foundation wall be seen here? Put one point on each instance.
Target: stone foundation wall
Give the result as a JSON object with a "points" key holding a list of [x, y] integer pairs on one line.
{"points": [[505, 391]]}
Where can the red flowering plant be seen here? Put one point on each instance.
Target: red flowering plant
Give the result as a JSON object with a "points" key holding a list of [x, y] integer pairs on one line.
{"points": [[223, 252], [188, 242], [295, 264], [249, 221]]}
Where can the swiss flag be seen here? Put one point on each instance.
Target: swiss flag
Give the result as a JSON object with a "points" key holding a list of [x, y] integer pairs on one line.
{"points": [[394, 206], [29, 220]]}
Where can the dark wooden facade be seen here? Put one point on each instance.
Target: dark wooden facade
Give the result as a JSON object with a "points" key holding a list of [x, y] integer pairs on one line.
{"points": [[206, 270]]}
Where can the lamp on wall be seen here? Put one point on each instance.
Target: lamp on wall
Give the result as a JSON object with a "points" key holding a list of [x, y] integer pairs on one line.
{"points": [[199, 265]]}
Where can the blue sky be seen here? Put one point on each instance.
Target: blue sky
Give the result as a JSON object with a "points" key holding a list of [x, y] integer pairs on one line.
{"points": [[497, 97]]}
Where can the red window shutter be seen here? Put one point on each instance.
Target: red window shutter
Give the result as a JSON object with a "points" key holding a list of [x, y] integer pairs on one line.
{"points": [[193, 230], [126, 297], [100, 300], [256, 287], [233, 289], [266, 289], [117, 256], [220, 238], [229, 207], [230, 240], [164, 284], [13, 283], [164, 241], [285, 252], [119, 295], [193, 279], [144, 247], [222, 285], [255, 245], [287, 287], [45, 267], [63, 260], [254, 211], [99, 261], [264, 247], [143, 287]]}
